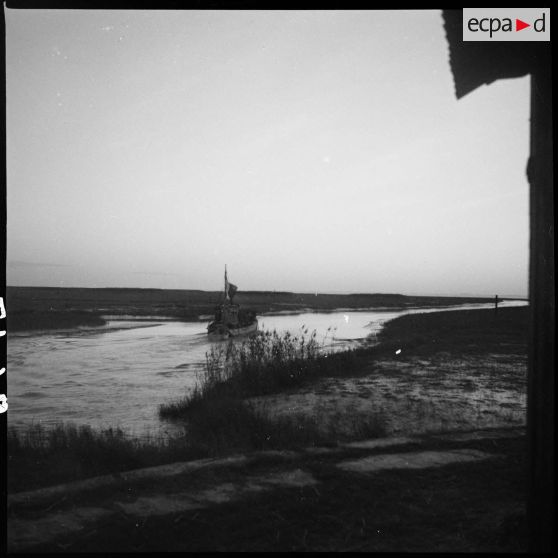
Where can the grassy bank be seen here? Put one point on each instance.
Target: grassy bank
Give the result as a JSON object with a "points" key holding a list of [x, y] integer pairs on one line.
{"points": [[40, 457], [56, 306], [266, 363], [458, 332]]}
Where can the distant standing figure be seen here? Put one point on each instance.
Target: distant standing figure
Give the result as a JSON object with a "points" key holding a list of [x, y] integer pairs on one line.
{"points": [[496, 305]]}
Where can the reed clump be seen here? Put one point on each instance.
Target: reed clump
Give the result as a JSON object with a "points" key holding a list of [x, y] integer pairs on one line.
{"points": [[40, 455], [218, 417], [268, 362]]}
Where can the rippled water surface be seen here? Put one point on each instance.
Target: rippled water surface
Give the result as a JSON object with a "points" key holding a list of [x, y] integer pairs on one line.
{"points": [[118, 374]]}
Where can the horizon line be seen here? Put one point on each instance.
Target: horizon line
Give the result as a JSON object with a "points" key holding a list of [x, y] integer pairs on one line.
{"points": [[341, 293]]}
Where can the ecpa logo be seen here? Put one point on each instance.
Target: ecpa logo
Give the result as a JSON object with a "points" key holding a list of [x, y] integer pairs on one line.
{"points": [[506, 24]]}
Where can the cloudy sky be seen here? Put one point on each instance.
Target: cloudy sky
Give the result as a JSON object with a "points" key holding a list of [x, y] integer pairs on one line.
{"points": [[307, 150]]}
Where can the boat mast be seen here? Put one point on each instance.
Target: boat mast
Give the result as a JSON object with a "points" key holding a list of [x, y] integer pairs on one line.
{"points": [[226, 281]]}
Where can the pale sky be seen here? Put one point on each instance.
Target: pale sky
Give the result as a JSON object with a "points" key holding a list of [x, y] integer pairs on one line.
{"points": [[307, 150]]}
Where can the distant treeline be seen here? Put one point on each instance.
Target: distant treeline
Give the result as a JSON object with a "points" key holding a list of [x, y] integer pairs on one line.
{"points": [[81, 306]]}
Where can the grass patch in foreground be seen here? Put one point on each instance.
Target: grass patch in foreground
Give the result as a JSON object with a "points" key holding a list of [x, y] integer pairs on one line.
{"points": [[226, 425], [40, 457]]}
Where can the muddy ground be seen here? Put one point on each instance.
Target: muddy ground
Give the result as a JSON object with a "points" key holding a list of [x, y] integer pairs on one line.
{"points": [[415, 394]]}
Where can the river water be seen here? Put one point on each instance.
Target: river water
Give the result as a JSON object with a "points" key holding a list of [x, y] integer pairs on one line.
{"points": [[118, 374]]}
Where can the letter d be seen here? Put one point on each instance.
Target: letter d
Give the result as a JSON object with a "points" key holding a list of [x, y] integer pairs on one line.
{"points": [[540, 20]]}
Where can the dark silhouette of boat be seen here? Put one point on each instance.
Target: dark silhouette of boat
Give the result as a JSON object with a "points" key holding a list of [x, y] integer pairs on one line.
{"points": [[231, 320]]}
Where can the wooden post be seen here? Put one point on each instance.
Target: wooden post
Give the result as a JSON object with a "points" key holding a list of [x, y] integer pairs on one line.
{"points": [[540, 388]]}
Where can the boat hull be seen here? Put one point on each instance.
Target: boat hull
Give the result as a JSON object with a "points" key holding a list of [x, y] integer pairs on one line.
{"points": [[221, 331]]}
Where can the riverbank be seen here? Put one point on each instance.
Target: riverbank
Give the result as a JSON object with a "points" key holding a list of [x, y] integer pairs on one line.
{"points": [[454, 370], [52, 307]]}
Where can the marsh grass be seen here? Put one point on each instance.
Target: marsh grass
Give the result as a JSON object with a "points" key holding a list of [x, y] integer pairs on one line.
{"points": [[218, 418], [266, 363], [224, 425], [41, 456], [458, 331]]}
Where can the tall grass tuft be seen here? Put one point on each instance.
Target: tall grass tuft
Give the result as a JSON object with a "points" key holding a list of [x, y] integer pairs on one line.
{"points": [[217, 416], [266, 363], [42, 456]]}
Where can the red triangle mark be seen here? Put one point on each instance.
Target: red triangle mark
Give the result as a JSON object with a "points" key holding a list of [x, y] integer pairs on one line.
{"points": [[519, 25]]}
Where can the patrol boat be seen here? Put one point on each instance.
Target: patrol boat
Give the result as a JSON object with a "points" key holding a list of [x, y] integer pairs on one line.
{"points": [[231, 320]]}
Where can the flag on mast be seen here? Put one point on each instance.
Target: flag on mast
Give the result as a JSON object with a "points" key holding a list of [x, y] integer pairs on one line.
{"points": [[230, 289], [226, 283]]}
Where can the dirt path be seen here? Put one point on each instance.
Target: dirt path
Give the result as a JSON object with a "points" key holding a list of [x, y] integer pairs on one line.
{"points": [[94, 514]]}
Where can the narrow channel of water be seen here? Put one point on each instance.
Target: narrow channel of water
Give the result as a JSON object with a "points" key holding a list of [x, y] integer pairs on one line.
{"points": [[118, 374]]}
